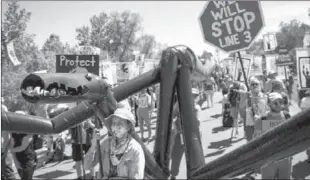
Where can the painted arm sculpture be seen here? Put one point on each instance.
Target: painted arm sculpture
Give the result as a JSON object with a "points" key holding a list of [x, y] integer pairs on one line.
{"points": [[94, 95]]}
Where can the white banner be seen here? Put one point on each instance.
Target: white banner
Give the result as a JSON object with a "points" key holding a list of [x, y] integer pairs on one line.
{"points": [[257, 66], [122, 72], [11, 53], [270, 42], [247, 60], [108, 70], [271, 62]]}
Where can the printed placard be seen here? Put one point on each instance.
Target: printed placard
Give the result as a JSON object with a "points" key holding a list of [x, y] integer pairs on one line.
{"points": [[231, 25], [269, 124], [77, 64]]}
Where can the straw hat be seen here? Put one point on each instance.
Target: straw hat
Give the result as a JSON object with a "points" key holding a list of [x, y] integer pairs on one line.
{"points": [[274, 96], [122, 113], [271, 73]]}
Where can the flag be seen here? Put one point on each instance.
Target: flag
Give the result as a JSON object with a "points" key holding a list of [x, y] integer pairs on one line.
{"points": [[11, 53]]}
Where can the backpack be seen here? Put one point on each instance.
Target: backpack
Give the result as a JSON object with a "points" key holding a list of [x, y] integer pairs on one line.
{"points": [[227, 120]]}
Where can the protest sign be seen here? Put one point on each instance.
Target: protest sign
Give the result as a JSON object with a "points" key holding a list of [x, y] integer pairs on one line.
{"points": [[231, 25], [77, 64]]}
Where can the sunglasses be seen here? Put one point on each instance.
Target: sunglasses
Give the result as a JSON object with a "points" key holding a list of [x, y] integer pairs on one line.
{"points": [[254, 84], [278, 102]]}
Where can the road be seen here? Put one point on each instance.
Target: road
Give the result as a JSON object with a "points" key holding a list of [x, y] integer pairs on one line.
{"points": [[215, 140]]}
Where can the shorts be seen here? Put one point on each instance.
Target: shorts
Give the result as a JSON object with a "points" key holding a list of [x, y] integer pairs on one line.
{"points": [[234, 111], [76, 151]]}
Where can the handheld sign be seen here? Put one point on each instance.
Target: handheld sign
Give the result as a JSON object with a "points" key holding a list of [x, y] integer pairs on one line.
{"points": [[269, 124], [122, 71], [231, 25], [77, 63]]}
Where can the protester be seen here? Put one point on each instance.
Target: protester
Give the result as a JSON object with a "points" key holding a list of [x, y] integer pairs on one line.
{"points": [[254, 105], [280, 169], [23, 153], [227, 118], [277, 87], [7, 172], [122, 156], [151, 93], [143, 112], [273, 79], [233, 98], [289, 87], [305, 103], [209, 88], [80, 145], [177, 142], [57, 151]]}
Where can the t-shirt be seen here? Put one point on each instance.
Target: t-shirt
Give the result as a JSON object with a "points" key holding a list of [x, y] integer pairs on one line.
{"points": [[26, 158], [176, 113], [76, 137], [208, 84], [225, 100], [305, 103], [144, 100]]}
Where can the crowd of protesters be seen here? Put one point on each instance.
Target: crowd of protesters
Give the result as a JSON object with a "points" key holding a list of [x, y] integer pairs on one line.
{"points": [[121, 157]]}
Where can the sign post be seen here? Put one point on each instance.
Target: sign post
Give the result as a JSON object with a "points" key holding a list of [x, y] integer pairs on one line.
{"points": [[232, 25]]}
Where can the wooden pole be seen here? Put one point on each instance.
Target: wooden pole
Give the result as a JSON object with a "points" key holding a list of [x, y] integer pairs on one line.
{"points": [[243, 71]]}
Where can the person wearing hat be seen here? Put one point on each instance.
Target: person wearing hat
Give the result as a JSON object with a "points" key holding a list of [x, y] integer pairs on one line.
{"points": [[251, 105], [122, 156], [177, 143], [277, 87], [272, 75], [209, 88], [143, 112], [280, 169], [304, 104]]}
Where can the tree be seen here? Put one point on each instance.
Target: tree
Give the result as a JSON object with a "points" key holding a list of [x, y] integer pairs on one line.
{"points": [[158, 49], [51, 48], [83, 35], [146, 44], [114, 33], [291, 34], [14, 26]]}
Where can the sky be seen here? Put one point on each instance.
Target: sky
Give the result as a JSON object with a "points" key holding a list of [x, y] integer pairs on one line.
{"points": [[171, 22]]}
